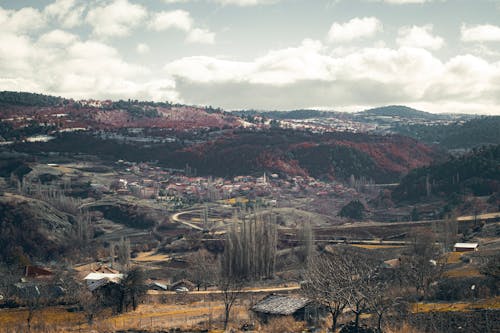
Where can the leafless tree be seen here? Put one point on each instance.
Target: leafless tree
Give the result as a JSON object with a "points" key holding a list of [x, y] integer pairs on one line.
{"points": [[421, 264], [325, 285], [203, 269], [342, 279], [230, 287], [123, 252], [90, 303], [31, 296], [250, 249], [306, 242]]}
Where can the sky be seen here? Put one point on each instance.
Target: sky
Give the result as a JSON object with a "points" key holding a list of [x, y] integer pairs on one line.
{"points": [[344, 55]]}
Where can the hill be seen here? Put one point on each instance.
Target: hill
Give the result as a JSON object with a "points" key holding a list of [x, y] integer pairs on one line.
{"points": [[239, 152], [469, 134], [31, 229], [399, 111], [477, 173]]}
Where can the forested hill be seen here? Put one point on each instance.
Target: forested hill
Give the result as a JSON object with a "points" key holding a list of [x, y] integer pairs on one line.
{"points": [[477, 172], [29, 99], [400, 111], [473, 133]]}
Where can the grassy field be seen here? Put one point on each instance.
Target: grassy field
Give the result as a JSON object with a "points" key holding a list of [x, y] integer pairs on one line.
{"points": [[491, 303]]}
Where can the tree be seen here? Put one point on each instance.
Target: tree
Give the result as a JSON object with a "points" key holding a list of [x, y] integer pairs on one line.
{"points": [[306, 243], [31, 296], [323, 285], [341, 279], [354, 210], [90, 303], [123, 252], [250, 250], [133, 287], [421, 264], [230, 287], [203, 270]]}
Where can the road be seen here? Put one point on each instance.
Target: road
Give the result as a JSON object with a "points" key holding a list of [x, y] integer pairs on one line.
{"points": [[244, 291]]}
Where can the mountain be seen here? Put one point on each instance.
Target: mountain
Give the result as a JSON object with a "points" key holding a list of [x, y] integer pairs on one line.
{"points": [[469, 134], [477, 172], [399, 111]]}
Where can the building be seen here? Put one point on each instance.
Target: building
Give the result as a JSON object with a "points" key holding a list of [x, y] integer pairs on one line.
{"points": [[300, 308], [96, 280], [465, 247]]}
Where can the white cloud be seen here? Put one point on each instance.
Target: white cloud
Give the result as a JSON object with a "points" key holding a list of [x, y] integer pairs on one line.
{"points": [[59, 37], [245, 2], [142, 48], [176, 19], [182, 20], [241, 3], [66, 12], [201, 36], [480, 33], [21, 21], [404, 2], [313, 75], [422, 36], [115, 19], [354, 29]]}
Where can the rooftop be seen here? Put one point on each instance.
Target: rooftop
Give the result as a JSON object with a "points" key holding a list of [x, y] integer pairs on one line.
{"points": [[280, 305]]}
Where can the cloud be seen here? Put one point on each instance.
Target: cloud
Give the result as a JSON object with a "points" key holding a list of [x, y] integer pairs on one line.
{"points": [[405, 2], [313, 75], [176, 19], [480, 33], [241, 3], [245, 2], [201, 36], [115, 19], [58, 37], [181, 20], [142, 48], [60, 63], [66, 12], [419, 36], [21, 21], [354, 29]]}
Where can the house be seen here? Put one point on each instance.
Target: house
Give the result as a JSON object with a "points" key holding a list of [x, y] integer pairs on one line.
{"points": [[183, 284], [36, 272], [158, 286], [465, 247], [97, 280], [300, 308]]}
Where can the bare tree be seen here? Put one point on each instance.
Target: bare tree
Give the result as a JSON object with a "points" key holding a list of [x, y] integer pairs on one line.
{"points": [[230, 287], [123, 252], [133, 286], [342, 279], [203, 270], [421, 264], [250, 250], [90, 303], [31, 296], [306, 242], [325, 285]]}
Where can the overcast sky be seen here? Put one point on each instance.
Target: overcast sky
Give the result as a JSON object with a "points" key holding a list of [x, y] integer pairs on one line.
{"points": [[346, 55]]}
